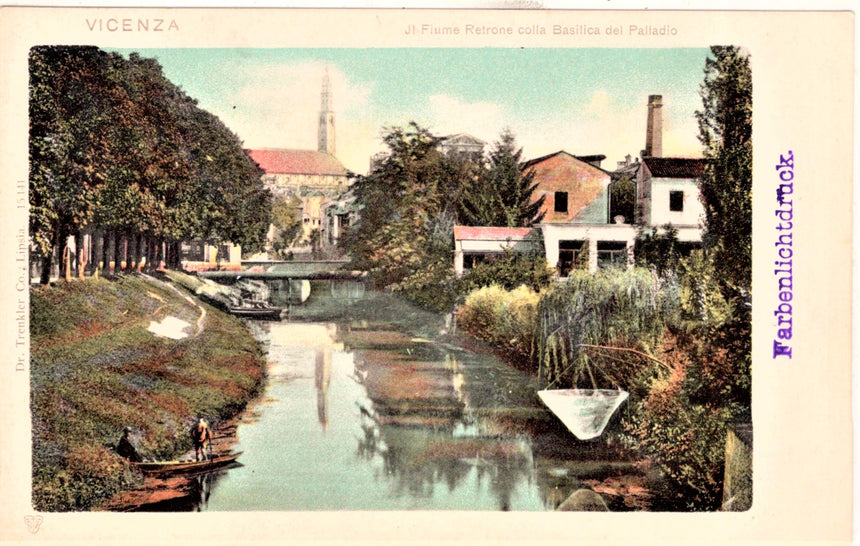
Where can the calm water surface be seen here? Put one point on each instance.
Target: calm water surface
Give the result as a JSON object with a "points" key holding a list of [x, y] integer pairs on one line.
{"points": [[360, 417]]}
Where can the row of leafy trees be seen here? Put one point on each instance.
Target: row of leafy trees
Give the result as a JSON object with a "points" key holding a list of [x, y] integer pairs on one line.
{"points": [[119, 152], [413, 198]]}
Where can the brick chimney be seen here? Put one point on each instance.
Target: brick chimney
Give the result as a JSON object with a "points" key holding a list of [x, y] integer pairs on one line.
{"points": [[654, 130]]}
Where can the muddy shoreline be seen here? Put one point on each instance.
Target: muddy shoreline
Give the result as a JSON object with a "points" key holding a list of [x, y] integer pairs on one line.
{"points": [[154, 491]]}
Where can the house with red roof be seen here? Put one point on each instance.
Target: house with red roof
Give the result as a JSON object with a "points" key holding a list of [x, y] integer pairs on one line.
{"points": [[575, 188], [576, 229], [668, 193], [311, 175]]}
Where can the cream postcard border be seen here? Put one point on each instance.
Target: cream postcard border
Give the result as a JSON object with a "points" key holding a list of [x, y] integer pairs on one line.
{"points": [[803, 67]]}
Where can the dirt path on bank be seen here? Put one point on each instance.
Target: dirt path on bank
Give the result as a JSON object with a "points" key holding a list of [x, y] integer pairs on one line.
{"points": [[201, 320]]}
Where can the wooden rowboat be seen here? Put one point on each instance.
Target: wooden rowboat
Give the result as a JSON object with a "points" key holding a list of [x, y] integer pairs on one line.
{"points": [[188, 467], [585, 412], [262, 312]]}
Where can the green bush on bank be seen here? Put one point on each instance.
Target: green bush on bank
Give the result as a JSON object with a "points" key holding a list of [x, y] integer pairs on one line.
{"points": [[505, 318]]}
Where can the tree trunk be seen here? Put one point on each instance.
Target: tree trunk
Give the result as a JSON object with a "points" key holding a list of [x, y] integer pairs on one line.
{"points": [[150, 254], [174, 259], [130, 252], [118, 251], [155, 253], [63, 254], [159, 253], [98, 239], [47, 264], [107, 236], [139, 250], [80, 254]]}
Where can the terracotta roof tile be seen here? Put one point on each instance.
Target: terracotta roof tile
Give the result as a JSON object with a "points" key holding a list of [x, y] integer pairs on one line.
{"points": [[277, 161], [483, 233], [675, 167]]}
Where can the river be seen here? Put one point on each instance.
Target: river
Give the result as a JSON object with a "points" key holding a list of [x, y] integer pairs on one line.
{"points": [[360, 415]]}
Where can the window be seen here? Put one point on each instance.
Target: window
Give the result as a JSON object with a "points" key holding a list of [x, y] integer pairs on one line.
{"points": [[611, 254], [561, 201], [572, 255], [193, 251], [676, 201]]}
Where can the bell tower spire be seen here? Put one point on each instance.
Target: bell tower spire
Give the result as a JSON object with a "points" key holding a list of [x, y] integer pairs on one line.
{"points": [[326, 127]]}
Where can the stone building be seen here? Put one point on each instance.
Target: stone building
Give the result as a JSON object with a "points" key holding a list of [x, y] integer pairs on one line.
{"points": [[314, 176]]}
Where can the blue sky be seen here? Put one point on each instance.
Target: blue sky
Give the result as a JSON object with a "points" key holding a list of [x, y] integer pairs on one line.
{"points": [[584, 101]]}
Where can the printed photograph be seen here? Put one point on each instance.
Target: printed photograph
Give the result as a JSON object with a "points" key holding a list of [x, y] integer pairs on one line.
{"points": [[390, 279]]}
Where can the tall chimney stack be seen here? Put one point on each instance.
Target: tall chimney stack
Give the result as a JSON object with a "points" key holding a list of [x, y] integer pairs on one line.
{"points": [[654, 131]]}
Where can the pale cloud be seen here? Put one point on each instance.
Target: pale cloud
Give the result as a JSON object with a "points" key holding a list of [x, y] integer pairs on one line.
{"points": [[605, 126], [450, 115], [279, 105]]}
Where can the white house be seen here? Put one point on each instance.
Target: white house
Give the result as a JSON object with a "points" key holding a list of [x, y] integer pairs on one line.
{"points": [[577, 230], [668, 193]]}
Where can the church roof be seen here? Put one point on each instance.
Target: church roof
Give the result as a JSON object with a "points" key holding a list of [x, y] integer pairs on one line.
{"points": [[280, 161], [675, 167]]}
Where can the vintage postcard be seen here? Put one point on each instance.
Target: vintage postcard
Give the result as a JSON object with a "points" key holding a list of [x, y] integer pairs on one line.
{"points": [[322, 275]]}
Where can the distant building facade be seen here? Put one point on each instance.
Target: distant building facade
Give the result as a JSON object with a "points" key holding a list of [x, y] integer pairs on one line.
{"points": [[463, 146]]}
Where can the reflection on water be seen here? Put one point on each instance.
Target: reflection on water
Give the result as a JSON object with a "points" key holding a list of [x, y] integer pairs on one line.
{"points": [[358, 418], [322, 371]]}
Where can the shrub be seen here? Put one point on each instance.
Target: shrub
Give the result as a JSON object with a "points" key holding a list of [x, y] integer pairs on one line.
{"points": [[506, 318], [430, 287], [701, 299], [679, 417], [658, 249]]}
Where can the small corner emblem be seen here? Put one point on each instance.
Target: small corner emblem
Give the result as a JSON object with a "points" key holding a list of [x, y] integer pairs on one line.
{"points": [[33, 523]]}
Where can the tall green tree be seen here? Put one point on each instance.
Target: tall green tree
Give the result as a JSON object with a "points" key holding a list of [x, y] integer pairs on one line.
{"points": [[725, 131], [70, 112], [622, 198], [503, 195], [399, 200]]}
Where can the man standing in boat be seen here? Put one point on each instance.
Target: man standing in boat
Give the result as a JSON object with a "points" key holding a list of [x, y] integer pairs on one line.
{"points": [[202, 436]]}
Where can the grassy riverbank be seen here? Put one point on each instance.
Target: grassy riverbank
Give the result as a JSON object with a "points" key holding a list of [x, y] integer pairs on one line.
{"points": [[97, 368]]}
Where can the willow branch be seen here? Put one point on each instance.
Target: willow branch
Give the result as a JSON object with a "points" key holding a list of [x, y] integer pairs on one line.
{"points": [[625, 349]]}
